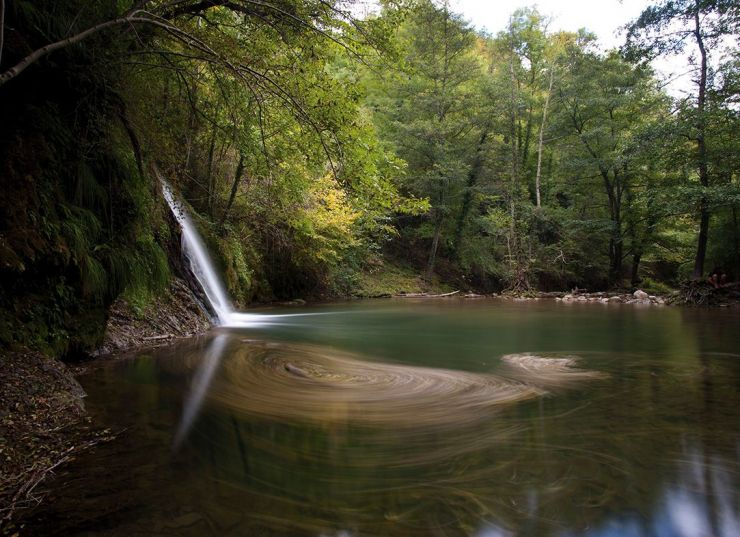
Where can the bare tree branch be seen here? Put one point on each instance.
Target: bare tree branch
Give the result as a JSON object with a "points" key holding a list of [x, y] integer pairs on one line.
{"points": [[37, 54]]}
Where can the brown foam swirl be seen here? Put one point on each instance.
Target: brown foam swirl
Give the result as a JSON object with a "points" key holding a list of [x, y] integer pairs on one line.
{"points": [[309, 383]]}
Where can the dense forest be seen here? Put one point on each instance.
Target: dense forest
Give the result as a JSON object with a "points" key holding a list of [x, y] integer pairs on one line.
{"points": [[317, 149]]}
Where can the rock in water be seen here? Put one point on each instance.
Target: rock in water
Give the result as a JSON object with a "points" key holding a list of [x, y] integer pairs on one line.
{"points": [[297, 371], [640, 295]]}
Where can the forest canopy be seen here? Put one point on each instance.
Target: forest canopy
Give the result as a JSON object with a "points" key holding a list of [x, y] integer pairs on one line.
{"points": [[314, 147]]}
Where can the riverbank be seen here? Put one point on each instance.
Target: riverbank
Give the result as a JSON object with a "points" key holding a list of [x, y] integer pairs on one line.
{"points": [[43, 425], [385, 279], [390, 280], [638, 297]]}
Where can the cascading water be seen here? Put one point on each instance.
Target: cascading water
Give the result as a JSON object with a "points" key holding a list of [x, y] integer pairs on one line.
{"points": [[205, 272], [200, 262]]}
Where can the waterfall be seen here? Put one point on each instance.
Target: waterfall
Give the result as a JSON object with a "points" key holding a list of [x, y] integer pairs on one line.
{"points": [[205, 272], [200, 262]]}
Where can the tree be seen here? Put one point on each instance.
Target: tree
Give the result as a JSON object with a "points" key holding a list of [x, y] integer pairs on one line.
{"points": [[667, 27], [602, 105], [430, 114], [240, 103]]}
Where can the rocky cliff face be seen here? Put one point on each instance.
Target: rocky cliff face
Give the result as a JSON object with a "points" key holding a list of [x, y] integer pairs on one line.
{"points": [[175, 314]]}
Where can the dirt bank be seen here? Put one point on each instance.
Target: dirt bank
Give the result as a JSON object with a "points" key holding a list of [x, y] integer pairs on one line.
{"points": [[42, 426]]}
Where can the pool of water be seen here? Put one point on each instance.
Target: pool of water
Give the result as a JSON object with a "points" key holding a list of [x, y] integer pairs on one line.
{"points": [[453, 417]]}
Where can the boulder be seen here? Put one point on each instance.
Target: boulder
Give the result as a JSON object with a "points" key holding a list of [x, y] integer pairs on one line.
{"points": [[640, 295]]}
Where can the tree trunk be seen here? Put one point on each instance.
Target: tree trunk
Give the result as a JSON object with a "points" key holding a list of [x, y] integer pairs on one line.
{"points": [[615, 254], [526, 142], [635, 278], [129, 19], [701, 146], [467, 201], [433, 251], [210, 182], [189, 135], [234, 188], [513, 239], [615, 241], [539, 142], [701, 247]]}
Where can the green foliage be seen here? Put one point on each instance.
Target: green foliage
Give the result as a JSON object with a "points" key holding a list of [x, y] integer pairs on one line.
{"points": [[525, 159], [78, 228], [549, 116]]}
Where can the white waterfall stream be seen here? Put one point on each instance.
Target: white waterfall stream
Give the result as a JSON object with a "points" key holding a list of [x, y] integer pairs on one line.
{"points": [[205, 272], [200, 262]]}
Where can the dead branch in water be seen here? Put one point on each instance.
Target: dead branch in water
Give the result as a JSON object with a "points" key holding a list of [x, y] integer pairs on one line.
{"points": [[425, 295], [26, 482]]}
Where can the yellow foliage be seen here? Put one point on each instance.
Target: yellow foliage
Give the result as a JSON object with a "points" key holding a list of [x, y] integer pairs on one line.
{"points": [[327, 221]]}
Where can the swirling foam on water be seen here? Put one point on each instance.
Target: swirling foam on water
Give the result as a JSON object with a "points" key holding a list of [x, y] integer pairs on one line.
{"points": [[307, 383]]}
